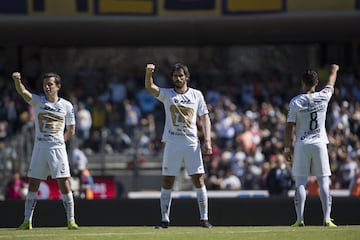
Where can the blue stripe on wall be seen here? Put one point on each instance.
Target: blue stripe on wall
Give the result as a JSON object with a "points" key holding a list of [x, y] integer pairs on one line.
{"points": [[189, 4], [357, 4], [13, 7], [82, 5], [38, 5]]}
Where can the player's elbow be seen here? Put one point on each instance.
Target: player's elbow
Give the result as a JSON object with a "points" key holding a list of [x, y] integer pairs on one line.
{"points": [[153, 89]]}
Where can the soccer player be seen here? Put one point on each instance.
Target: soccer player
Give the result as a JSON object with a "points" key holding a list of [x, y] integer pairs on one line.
{"points": [[54, 125], [307, 113], [183, 105]]}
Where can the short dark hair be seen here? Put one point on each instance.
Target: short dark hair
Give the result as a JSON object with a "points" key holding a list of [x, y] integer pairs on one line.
{"points": [[178, 66], [309, 77], [54, 75]]}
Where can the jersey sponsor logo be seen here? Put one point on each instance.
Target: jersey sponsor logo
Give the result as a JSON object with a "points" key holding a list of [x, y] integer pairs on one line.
{"points": [[181, 134], [314, 134], [182, 101], [51, 109], [317, 107]]}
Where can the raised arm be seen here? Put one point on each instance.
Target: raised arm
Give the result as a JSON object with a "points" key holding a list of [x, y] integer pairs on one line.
{"points": [[149, 82], [20, 88], [333, 74]]}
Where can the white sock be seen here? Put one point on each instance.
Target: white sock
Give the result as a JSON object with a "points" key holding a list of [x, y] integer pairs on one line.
{"points": [[68, 202], [300, 197], [30, 203], [202, 200], [325, 197], [165, 204]]}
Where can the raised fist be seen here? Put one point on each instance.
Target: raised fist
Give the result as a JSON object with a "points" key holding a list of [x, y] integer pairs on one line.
{"points": [[16, 76], [150, 67], [334, 67]]}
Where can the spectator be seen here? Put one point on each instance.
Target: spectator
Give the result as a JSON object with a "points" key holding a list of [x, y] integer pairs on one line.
{"points": [[354, 186], [132, 117], [312, 187], [262, 182], [86, 185], [147, 102], [347, 172], [15, 188], [83, 122], [279, 180], [230, 181], [251, 174], [82, 173], [98, 115], [79, 160], [117, 89]]}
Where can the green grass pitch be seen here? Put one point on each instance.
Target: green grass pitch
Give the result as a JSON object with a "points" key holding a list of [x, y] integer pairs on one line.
{"points": [[351, 232]]}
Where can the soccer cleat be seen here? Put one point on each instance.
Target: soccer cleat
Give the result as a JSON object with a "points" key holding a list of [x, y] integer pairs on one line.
{"points": [[26, 225], [163, 224], [72, 225], [329, 223], [298, 224], [205, 224]]}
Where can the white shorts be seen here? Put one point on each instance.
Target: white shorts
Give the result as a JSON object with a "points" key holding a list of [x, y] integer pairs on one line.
{"points": [[176, 154], [311, 160], [45, 162]]}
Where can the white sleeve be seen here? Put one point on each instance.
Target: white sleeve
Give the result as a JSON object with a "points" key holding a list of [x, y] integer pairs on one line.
{"points": [[291, 117], [70, 114]]}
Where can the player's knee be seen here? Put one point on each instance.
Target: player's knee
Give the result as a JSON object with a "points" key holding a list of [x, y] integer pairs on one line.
{"points": [[168, 182], [198, 180]]}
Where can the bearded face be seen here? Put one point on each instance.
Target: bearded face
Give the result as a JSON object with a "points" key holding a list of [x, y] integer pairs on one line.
{"points": [[179, 79]]}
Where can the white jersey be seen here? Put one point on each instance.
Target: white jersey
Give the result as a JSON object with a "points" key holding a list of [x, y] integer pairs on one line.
{"points": [[308, 111], [50, 121], [181, 111]]}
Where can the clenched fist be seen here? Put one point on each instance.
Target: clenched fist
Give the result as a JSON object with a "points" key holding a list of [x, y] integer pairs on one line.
{"points": [[334, 67], [150, 67], [16, 76]]}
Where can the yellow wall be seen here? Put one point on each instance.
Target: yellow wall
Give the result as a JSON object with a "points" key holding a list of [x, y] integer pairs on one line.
{"points": [[254, 5], [126, 6], [60, 8]]}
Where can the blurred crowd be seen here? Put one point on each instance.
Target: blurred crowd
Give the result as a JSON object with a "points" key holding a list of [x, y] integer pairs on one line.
{"points": [[116, 115]]}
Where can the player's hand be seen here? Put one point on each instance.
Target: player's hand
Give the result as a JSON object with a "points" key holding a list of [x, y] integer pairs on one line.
{"points": [[16, 76], [334, 67], [207, 148], [288, 156], [150, 68]]}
